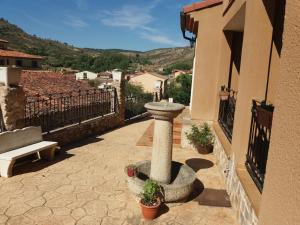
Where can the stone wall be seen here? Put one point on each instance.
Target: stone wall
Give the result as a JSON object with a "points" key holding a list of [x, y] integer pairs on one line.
{"points": [[77, 132], [12, 101], [234, 187], [12, 105]]}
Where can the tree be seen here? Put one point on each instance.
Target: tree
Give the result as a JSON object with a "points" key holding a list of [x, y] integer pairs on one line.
{"points": [[180, 89], [178, 66], [133, 90]]}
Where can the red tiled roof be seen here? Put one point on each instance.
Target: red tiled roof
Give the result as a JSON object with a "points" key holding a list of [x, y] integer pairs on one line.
{"points": [[15, 54], [49, 82], [5, 41], [201, 5]]}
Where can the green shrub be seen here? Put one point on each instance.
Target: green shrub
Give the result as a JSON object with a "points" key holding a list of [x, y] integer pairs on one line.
{"points": [[202, 136], [180, 89], [150, 193]]}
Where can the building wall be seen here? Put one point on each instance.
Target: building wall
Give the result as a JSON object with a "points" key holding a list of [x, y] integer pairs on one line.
{"points": [[253, 73], [90, 75], [260, 61], [26, 63], [207, 52], [281, 195], [148, 81]]}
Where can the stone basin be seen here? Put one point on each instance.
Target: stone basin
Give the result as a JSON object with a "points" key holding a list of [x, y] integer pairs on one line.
{"points": [[178, 190], [164, 109]]}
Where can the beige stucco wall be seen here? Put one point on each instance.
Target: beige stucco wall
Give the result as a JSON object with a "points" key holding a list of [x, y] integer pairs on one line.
{"points": [[147, 81], [253, 73], [281, 195], [207, 53]]}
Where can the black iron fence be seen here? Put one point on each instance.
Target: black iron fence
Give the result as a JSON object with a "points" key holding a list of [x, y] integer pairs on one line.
{"points": [[134, 105], [59, 110], [226, 111], [259, 139]]}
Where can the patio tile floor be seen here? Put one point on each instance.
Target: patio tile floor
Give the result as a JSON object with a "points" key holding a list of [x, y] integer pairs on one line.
{"points": [[87, 186]]}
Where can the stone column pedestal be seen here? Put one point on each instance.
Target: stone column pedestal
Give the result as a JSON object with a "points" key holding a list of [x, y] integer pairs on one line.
{"points": [[163, 113], [120, 92], [162, 150], [12, 104]]}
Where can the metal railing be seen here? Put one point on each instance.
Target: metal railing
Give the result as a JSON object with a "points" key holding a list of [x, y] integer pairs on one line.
{"points": [[259, 140], [226, 112], [134, 105], [59, 110]]}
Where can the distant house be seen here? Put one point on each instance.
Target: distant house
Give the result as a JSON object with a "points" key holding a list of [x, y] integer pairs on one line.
{"points": [[17, 59], [151, 82], [86, 75], [177, 73], [105, 75]]}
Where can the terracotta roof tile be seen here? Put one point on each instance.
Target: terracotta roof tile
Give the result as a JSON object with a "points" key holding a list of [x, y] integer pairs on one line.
{"points": [[201, 5], [49, 82], [15, 54]]}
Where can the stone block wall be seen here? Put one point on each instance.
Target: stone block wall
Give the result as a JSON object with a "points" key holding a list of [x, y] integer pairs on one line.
{"points": [[12, 105], [76, 132], [12, 102], [85, 129], [239, 199]]}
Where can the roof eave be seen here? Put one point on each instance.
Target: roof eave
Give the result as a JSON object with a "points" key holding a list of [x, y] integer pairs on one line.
{"points": [[201, 5]]}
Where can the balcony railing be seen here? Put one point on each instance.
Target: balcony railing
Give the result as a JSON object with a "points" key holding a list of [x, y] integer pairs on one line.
{"points": [[259, 139], [226, 112], [59, 110]]}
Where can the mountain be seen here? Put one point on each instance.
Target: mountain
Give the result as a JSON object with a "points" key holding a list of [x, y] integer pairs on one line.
{"points": [[58, 54]]}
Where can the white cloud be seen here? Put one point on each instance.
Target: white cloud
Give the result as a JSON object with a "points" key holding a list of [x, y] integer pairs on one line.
{"points": [[129, 16], [161, 39], [138, 18], [75, 22]]}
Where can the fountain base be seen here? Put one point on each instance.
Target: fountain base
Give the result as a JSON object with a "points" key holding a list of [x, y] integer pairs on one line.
{"points": [[181, 186]]}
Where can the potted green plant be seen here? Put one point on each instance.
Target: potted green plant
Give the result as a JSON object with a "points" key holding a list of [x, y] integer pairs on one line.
{"points": [[201, 138], [150, 199], [131, 170]]}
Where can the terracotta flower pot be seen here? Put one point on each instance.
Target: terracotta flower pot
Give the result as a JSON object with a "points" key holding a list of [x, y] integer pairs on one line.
{"points": [[131, 172], [204, 149], [150, 212]]}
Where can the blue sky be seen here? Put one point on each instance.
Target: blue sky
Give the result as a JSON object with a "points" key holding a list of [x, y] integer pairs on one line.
{"points": [[126, 24]]}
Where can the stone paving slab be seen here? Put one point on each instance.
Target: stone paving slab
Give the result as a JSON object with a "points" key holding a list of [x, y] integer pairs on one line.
{"points": [[87, 186]]}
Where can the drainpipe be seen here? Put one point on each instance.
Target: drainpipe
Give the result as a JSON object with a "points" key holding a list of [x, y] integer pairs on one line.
{"points": [[192, 40]]}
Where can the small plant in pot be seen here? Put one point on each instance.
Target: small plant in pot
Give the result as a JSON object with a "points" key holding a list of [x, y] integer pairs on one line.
{"points": [[150, 199], [131, 170], [201, 138]]}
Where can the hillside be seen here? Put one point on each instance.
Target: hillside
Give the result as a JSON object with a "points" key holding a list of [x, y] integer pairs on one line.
{"points": [[59, 54]]}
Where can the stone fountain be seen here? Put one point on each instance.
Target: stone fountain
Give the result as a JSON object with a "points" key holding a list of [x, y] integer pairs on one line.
{"points": [[175, 178]]}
